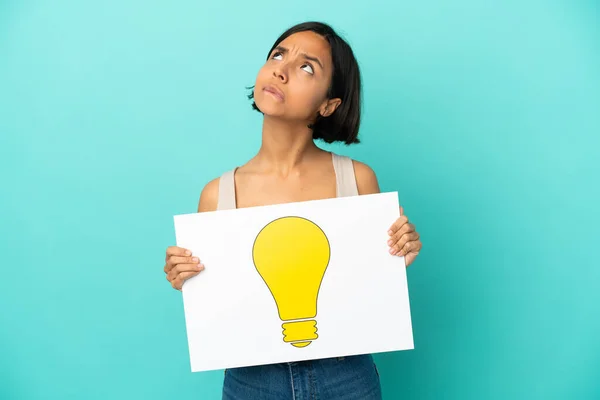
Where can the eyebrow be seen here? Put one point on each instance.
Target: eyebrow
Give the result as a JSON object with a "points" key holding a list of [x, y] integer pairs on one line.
{"points": [[306, 56]]}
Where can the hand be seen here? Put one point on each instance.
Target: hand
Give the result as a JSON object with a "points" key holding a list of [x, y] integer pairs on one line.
{"points": [[180, 266], [404, 240]]}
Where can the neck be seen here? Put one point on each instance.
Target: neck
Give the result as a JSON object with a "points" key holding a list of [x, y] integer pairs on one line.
{"points": [[285, 145]]}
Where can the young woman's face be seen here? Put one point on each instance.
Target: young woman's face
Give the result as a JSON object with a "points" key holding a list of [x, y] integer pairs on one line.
{"points": [[294, 81]]}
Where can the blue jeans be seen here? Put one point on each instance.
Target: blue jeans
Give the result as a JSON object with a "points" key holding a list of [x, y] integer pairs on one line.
{"points": [[347, 378]]}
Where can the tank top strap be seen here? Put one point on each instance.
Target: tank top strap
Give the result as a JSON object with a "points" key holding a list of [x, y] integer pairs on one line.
{"points": [[344, 176], [227, 191]]}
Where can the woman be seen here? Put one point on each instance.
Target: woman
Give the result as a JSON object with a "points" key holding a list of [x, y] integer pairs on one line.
{"points": [[308, 89]]}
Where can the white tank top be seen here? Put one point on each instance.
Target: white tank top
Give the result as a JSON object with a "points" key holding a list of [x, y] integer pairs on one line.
{"points": [[344, 179]]}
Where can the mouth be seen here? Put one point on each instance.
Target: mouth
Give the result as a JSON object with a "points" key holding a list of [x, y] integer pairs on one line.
{"points": [[275, 92]]}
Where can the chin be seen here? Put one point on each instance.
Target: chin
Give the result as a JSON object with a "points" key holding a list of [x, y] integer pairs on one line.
{"points": [[268, 106]]}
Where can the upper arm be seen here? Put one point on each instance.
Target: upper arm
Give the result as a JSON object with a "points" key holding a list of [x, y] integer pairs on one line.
{"points": [[366, 180], [209, 196]]}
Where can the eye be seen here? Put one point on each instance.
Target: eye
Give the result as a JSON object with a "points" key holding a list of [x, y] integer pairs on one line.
{"points": [[277, 55], [309, 68]]}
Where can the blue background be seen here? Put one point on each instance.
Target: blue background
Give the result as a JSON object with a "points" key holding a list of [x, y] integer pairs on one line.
{"points": [[484, 116]]}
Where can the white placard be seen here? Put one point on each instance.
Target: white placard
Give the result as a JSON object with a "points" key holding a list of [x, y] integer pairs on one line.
{"points": [[319, 265]]}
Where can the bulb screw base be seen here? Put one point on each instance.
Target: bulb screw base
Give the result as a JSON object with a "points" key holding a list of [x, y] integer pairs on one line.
{"points": [[300, 333]]}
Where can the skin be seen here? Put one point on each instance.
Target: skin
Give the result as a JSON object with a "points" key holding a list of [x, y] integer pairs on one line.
{"points": [[291, 90]]}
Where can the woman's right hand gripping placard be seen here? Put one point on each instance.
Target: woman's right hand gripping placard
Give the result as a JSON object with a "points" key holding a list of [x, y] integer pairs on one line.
{"points": [[180, 266]]}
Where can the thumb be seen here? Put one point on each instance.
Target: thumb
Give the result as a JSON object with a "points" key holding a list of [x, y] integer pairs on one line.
{"points": [[401, 210], [409, 258]]}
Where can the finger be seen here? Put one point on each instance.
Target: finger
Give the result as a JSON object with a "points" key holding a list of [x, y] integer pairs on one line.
{"points": [[400, 246], [401, 210], [177, 280], [410, 247], [181, 278], [177, 251], [406, 228], [173, 261], [407, 239], [398, 224], [180, 268]]}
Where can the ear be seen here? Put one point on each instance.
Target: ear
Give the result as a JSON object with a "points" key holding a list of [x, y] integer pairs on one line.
{"points": [[329, 106]]}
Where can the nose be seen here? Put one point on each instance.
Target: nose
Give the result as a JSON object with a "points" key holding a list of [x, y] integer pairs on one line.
{"points": [[280, 73]]}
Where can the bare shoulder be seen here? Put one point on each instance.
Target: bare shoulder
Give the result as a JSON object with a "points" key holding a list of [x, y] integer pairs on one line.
{"points": [[366, 180], [209, 196]]}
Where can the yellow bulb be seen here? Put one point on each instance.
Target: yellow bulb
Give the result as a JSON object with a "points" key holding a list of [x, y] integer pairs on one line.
{"points": [[291, 254]]}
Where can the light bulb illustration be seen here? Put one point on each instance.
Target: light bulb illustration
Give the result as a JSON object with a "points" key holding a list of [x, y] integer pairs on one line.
{"points": [[291, 254]]}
